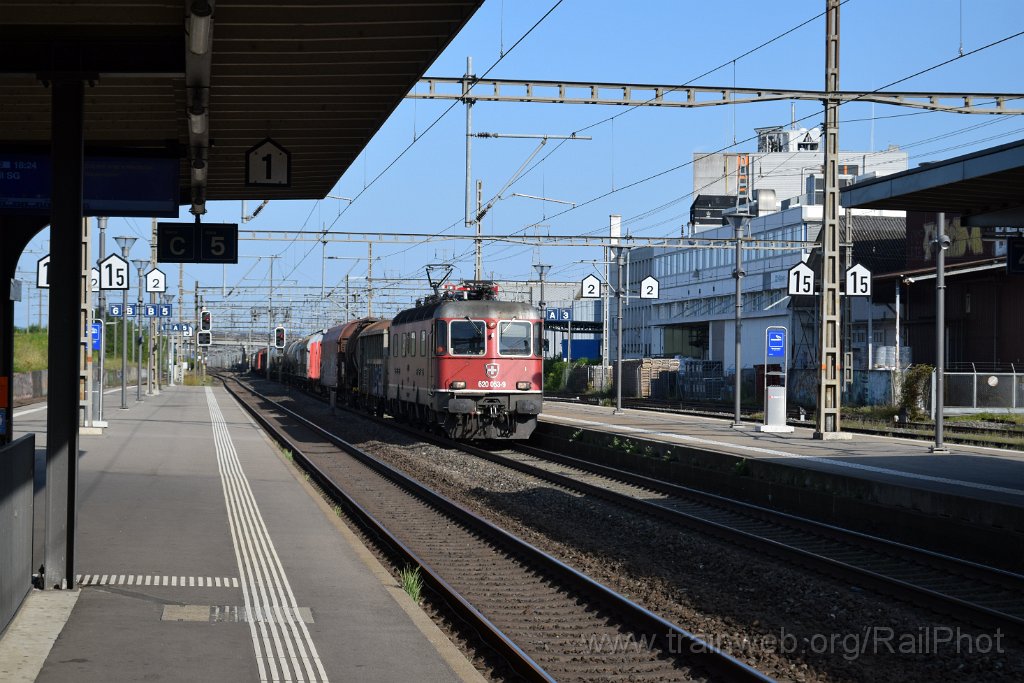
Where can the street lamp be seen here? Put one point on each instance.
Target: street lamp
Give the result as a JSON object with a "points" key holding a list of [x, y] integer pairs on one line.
{"points": [[139, 265], [126, 244], [738, 221], [169, 299], [941, 244]]}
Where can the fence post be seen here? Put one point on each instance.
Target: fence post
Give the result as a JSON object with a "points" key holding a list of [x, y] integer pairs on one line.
{"points": [[931, 408], [1013, 397], [974, 374]]}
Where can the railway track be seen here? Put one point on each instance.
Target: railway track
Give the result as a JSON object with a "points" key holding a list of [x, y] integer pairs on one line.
{"points": [[542, 616], [975, 593], [1005, 436]]}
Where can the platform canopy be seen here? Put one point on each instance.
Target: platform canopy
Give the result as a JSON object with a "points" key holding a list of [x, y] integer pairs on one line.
{"points": [[319, 77], [984, 187]]}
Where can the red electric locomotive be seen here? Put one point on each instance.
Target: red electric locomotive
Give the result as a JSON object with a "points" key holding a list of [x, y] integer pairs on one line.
{"points": [[467, 363]]}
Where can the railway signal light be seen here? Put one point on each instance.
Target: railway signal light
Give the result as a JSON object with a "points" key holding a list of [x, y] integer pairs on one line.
{"points": [[278, 337], [204, 339], [205, 321]]}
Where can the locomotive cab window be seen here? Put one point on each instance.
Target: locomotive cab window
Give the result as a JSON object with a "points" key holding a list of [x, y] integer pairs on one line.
{"points": [[441, 337], [514, 338], [467, 337]]}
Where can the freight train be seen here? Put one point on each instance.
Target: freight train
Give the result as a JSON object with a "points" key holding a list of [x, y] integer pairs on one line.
{"points": [[460, 361]]}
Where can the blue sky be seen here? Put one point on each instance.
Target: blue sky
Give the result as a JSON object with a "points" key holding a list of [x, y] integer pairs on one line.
{"points": [[646, 41]]}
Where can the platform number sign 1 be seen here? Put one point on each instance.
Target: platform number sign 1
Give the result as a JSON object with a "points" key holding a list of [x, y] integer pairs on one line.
{"points": [[858, 281], [591, 287], [43, 272], [268, 163], [801, 280]]}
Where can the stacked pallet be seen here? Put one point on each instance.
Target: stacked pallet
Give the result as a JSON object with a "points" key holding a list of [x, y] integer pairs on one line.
{"points": [[647, 377]]}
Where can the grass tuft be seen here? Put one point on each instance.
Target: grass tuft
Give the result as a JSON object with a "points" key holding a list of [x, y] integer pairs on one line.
{"points": [[412, 582]]}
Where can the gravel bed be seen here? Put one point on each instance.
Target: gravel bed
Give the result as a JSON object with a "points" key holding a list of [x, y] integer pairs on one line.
{"points": [[788, 623]]}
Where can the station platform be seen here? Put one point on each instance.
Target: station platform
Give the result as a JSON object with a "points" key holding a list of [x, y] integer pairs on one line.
{"points": [[992, 474], [202, 554], [968, 502]]}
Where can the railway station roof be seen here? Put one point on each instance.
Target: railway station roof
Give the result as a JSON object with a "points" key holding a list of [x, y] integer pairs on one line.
{"points": [[319, 77], [983, 187]]}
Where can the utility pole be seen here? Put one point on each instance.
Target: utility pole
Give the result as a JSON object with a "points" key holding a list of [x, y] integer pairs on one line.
{"points": [[369, 279], [102, 223], [466, 84], [126, 244], [827, 426], [477, 244], [618, 333], [941, 244], [139, 264], [181, 311], [270, 313], [153, 384], [739, 221]]}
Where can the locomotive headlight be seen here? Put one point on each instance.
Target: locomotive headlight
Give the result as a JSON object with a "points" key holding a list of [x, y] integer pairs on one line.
{"points": [[523, 386], [457, 384]]}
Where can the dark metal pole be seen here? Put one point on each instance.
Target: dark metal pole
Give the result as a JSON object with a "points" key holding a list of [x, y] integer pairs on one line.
{"points": [[102, 223], [940, 329], [124, 340], [738, 274], [65, 351], [618, 333]]}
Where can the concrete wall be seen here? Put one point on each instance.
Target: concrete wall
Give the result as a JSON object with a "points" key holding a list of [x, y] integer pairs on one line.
{"points": [[33, 385]]}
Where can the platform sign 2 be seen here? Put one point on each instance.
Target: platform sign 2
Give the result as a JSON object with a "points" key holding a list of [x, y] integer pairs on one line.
{"points": [[591, 287], [649, 287]]}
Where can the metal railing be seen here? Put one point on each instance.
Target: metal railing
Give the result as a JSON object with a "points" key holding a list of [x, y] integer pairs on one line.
{"points": [[983, 389]]}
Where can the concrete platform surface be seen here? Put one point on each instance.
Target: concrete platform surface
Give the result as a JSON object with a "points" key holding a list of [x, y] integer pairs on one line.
{"points": [[203, 555], [990, 474]]}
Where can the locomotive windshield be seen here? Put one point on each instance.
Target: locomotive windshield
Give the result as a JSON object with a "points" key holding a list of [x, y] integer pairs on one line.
{"points": [[467, 337], [514, 338]]}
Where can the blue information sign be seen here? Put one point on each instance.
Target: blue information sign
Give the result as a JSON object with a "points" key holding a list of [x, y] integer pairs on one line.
{"points": [[150, 311], [112, 186], [129, 310], [115, 310], [3, 421], [558, 314], [166, 311], [775, 342], [96, 329]]}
